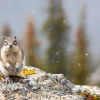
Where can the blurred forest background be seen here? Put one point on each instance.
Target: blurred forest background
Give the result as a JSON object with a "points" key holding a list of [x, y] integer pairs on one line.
{"points": [[60, 40]]}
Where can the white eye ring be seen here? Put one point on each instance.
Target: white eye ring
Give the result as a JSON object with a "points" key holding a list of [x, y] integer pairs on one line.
{"points": [[5, 43], [15, 42]]}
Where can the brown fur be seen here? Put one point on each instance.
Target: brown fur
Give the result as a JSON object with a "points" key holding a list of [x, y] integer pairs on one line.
{"points": [[12, 59]]}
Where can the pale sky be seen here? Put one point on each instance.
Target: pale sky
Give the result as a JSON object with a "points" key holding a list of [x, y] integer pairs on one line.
{"points": [[15, 12]]}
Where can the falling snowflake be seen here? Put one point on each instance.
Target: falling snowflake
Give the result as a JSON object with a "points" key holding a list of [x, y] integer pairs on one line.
{"points": [[81, 6], [79, 64], [13, 27], [16, 7], [57, 61], [1, 37], [49, 28], [86, 54]]}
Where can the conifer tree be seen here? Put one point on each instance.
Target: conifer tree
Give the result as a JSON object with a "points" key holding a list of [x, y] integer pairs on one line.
{"points": [[31, 45], [80, 70], [56, 29], [5, 32]]}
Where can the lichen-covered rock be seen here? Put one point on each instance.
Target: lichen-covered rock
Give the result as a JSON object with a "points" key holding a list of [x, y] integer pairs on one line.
{"points": [[89, 92], [34, 84], [2, 96]]}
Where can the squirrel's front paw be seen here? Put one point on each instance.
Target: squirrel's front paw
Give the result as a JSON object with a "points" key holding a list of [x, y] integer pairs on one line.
{"points": [[15, 69], [8, 67], [8, 80]]}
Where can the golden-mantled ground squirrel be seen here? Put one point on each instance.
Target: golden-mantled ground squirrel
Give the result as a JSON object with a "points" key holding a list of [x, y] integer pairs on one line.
{"points": [[12, 59]]}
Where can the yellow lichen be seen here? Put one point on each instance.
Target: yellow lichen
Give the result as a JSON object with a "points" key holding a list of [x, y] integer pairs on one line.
{"points": [[89, 96], [93, 97], [27, 71], [0, 77], [28, 92], [19, 94]]}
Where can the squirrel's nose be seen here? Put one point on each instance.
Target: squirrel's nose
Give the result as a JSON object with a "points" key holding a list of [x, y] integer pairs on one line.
{"points": [[10, 46]]}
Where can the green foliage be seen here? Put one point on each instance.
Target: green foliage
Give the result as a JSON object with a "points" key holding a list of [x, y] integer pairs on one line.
{"points": [[5, 32], [80, 65], [31, 45], [56, 29]]}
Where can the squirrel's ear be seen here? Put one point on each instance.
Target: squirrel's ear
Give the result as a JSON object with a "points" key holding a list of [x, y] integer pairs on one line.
{"points": [[15, 37], [5, 37]]}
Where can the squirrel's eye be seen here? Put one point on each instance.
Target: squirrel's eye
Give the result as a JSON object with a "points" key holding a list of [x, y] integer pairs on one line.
{"points": [[15, 42], [6, 43]]}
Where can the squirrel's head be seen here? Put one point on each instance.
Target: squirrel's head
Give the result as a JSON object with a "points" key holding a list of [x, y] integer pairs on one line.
{"points": [[10, 42]]}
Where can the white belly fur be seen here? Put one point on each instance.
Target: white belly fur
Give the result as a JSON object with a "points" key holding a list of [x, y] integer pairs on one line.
{"points": [[12, 59], [3, 70], [7, 73]]}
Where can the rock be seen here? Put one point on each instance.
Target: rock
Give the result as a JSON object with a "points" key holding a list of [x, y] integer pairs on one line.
{"points": [[2, 96], [62, 80], [86, 88], [46, 86]]}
